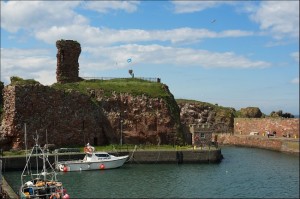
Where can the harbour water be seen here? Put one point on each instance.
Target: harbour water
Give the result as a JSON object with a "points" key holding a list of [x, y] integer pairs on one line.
{"points": [[244, 172]]}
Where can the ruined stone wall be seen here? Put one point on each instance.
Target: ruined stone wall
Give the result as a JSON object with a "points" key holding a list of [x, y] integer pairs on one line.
{"points": [[282, 126], [68, 52], [69, 118]]}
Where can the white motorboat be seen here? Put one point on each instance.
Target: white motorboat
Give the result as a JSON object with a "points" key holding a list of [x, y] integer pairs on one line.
{"points": [[92, 161], [40, 184]]}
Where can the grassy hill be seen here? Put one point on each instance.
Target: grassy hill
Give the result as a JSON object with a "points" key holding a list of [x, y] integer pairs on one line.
{"points": [[132, 86]]}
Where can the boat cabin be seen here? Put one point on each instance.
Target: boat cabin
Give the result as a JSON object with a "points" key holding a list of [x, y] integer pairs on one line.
{"points": [[96, 156]]}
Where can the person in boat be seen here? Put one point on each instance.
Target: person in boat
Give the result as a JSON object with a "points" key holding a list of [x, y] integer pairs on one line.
{"points": [[89, 148]]}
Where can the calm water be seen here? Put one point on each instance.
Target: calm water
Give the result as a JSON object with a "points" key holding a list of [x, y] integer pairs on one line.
{"points": [[245, 172]]}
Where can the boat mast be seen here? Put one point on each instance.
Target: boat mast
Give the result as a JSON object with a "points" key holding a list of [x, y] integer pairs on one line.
{"points": [[26, 166], [36, 152], [46, 138], [44, 159], [44, 166], [25, 143]]}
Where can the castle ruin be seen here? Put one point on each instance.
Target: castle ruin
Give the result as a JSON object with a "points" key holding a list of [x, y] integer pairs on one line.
{"points": [[68, 52]]}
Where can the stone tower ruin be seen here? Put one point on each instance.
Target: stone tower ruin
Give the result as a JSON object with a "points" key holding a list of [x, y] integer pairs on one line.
{"points": [[68, 52]]}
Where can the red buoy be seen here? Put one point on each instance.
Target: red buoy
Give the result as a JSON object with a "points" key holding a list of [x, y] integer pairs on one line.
{"points": [[102, 166], [65, 169]]}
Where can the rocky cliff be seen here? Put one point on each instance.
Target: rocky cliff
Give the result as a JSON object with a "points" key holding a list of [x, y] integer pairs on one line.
{"points": [[72, 117], [195, 112]]}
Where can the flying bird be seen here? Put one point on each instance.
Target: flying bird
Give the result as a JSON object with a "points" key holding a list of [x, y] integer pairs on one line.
{"points": [[213, 21]]}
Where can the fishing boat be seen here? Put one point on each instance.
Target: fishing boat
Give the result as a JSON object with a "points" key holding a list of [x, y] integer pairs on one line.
{"points": [[92, 161], [40, 184]]}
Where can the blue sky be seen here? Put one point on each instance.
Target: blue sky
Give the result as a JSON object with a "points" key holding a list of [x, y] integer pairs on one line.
{"points": [[232, 53]]}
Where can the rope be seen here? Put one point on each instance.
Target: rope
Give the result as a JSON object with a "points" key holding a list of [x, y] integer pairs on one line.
{"points": [[157, 157], [131, 158]]}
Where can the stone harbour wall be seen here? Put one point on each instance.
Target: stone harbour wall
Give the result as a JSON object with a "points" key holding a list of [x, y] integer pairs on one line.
{"points": [[282, 126], [289, 145]]}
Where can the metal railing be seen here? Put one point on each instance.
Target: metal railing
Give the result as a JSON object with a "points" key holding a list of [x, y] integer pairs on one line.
{"points": [[150, 79]]}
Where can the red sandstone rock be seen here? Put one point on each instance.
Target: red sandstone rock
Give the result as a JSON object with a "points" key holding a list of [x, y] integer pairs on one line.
{"points": [[72, 119]]}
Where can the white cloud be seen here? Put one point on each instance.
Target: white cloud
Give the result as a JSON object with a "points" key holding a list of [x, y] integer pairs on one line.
{"points": [[106, 6], [104, 36], [280, 18], [35, 15], [235, 33], [196, 6], [28, 64], [156, 54]]}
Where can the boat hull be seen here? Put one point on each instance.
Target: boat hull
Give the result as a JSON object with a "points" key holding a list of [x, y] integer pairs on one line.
{"points": [[81, 165]]}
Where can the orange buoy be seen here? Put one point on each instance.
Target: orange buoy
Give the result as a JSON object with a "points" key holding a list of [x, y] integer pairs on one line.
{"points": [[102, 166], [65, 169]]}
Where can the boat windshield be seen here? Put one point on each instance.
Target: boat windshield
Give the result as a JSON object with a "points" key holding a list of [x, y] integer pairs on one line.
{"points": [[101, 155]]}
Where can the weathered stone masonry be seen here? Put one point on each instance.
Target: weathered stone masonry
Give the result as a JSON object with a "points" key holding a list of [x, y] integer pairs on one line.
{"points": [[282, 126], [68, 52], [69, 118]]}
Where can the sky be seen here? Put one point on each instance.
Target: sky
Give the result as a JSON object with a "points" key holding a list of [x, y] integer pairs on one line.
{"points": [[232, 53]]}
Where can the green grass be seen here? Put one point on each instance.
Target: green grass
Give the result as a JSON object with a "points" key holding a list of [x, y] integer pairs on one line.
{"points": [[19, 81], [14, 153], [132, 86]]}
